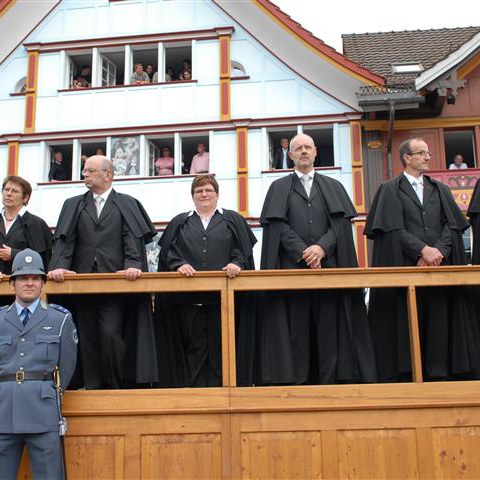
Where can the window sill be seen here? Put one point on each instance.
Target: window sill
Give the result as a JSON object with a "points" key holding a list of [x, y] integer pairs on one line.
{"points": [[290, 170], [118, 178], [18, 94], [243, 77], [175, 82]]}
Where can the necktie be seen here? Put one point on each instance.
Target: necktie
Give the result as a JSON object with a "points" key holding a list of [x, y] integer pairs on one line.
{"points": [[25, 315], [306, 184], [418, 187], [99, 205]]}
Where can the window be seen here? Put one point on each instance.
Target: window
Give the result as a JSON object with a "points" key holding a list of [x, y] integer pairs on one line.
{"points": [[161, 156], [460, 142], [276, 140], [60, 162], [323, 139], [112, 67], [147, 56], [407, 68], [237, 69], [21, 85], [89, 148], [125, 155], [178, 60], [195, 154], [80, 70]]}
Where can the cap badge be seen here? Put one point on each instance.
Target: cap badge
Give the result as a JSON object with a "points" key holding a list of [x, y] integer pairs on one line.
{"points": [[28, 259]]}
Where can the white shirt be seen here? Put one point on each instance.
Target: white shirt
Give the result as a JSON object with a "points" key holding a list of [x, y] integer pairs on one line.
{"points": [[205, 220], [419, 181], [104, 195], [20, 213]]}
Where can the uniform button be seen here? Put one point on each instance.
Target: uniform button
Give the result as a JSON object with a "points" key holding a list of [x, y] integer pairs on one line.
{"points": [[426, 228], [424, 213], [310, 221], [22, 339], [22, 354], [204, 238], [309, 204], [204, 251]]}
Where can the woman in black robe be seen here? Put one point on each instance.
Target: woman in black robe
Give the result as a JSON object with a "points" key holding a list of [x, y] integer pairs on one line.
{"points": [[206, 238]]}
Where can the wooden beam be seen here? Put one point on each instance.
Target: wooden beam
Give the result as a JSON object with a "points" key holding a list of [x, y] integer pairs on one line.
{"points": [[415, 350]]}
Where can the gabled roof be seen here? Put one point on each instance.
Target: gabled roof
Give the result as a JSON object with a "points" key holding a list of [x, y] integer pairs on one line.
{"points": [[378, 51]]}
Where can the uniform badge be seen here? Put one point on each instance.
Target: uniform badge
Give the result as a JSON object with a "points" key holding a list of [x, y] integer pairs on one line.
{"points": [[47, 327], [75, 336], [28, 259]]}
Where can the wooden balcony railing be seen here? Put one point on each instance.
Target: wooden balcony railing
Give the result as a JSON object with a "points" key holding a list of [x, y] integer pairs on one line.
{"points": [[408, 278]]}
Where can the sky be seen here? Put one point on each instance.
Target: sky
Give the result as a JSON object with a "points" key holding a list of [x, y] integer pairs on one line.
{"points": [[328, 19]]}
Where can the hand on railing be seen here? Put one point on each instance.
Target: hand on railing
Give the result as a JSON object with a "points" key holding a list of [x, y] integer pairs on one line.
{"points": [[232, 270], [131, 273], [57, 275], [186, 270]]}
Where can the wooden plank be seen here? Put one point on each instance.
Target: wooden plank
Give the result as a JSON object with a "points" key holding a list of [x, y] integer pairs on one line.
{"points": [[231, 338], [415, 349], [426, 466], [225, 311], [330, 459]]}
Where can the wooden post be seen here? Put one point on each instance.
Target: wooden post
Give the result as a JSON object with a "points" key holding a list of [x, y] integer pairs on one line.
{"points": [[225, 308], [415, 350]]}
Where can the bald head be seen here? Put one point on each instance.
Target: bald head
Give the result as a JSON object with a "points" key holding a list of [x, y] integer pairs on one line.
{"points": [[302, 152], [98, 173]]}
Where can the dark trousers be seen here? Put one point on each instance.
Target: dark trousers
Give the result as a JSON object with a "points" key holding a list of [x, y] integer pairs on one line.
{"points": [[100, 328], [200, 330], [44, 451]]}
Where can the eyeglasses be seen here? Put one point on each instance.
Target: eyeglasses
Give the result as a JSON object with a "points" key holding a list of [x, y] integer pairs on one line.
{"points": [[92, 170], [422, 153], [208, 191]]}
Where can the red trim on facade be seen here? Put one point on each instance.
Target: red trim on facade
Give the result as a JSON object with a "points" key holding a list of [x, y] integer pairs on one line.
{"points": [[29, 111], [207, 34], [242, 149], [31, 73], [18, 94], [356, 144], [225, 98], [224, 54], [12, 166], [315, 42], [361, 245], [185, 127], [244, 77], [242, 195], [4, 5], [358, 186]]}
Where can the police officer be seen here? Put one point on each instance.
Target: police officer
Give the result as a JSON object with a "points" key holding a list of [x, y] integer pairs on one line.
{"points": [[34, 339]]}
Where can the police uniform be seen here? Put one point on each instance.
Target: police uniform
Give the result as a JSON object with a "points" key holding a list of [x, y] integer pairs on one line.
{"points": [[29, 412]]}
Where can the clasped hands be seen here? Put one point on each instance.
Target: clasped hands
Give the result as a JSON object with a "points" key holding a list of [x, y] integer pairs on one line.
{"points": [[313, 256], [430, 257]]}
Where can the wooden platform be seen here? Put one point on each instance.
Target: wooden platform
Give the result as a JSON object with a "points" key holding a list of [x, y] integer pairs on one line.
{"points": [[429, 430], [411, 430]]}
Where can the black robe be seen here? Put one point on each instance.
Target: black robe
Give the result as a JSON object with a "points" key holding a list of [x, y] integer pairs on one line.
{"points": [[449, 336], [139, 335], [474, 216], [28, 231], [342, 350], [172, 363]]}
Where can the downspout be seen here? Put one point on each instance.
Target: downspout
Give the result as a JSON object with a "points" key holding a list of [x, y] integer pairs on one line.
{"points": [[389, 140]]}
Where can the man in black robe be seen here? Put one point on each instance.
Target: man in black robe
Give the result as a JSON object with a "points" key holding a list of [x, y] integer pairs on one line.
{"points": [[474, 216], [414, 221], [105, 231], [319, 336], [205, 239]]}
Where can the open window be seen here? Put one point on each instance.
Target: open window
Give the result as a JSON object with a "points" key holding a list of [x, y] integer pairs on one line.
{"points": [[80, 70], [161, 156], [178, 60], [195, 154], [112, 67], [323, 139], [460, 142], [147, 56], [60, 162], [278, 139], [89, 148]]}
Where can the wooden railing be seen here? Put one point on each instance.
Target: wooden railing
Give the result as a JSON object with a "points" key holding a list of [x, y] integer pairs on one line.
{"points": [[408, 278]]}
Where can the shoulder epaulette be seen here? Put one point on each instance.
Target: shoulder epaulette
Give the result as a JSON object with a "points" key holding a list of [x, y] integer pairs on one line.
{"points": [[59, 308]]}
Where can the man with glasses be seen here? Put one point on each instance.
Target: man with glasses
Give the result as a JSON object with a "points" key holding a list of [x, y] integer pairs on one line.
{"points": [[98, 232], [414, 221], [316, 336]]}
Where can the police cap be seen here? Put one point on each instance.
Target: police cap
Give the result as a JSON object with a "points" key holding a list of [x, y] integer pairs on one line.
{"points": [[28, 262]]}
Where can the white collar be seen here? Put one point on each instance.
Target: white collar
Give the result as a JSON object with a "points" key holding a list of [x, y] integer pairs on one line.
{"points": [[218, 209], [20, 213], [412, 179], [104, 195], [311, 174]]}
